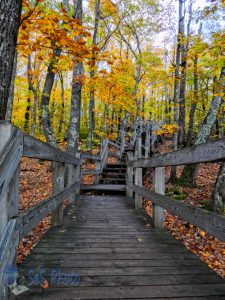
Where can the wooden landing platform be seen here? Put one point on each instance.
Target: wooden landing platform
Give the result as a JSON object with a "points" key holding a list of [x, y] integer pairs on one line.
{"points": [[118, 256]]}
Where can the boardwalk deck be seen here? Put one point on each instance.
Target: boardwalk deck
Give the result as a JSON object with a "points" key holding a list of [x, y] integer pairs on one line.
{"points": [[118, 255]]}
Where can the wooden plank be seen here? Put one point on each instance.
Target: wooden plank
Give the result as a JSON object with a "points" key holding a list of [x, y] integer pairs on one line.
{"points": [[206, 152], [6, 130], [210, 222], [8, 246], [130, 280], [129, 175], [159, 187], [78, 177], [90, 157], [124, 292], [32, 217], [10, 159], [104, 187], [114, 144], [90, 172], [35, 148], [138, 172], [104, 153], [58, 176], [9, 162]]}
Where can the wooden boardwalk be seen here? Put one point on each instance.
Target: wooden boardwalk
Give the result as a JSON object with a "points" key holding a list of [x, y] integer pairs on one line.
{"points": [[118, 255]]}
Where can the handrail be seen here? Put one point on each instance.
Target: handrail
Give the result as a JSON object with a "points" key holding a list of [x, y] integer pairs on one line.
{"points": [[8, 245], [35, 148], [91, 157], [13, 226], [207, 152], [33, 216], [210, 222], [211, 151]]}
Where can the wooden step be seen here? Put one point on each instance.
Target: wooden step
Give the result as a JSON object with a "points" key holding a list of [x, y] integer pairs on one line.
{"points": [[113, 175], [113, 180], [104, 188], [118, 165]]}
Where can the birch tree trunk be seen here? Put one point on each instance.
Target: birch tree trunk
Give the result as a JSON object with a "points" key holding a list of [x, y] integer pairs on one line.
{"points": [[218, 195], [33, 90], [176, 82], [45, 99], [196, 92], [182, 104], [61, 119], [78, 71], [190, 172], [10, 12], [92, 76]]}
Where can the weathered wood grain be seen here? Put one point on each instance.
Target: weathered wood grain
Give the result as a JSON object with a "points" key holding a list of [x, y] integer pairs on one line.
{"points": [[104, 153], [91, 172], [10, 159], [8, 246], [210, 222], [58, 176], [106, 241], [6, 130], [9, 162], [114, 144], [35, 148], [138, 172], [35, 214], [207, 152], [159, 187], [91, 157], [129, 175]]}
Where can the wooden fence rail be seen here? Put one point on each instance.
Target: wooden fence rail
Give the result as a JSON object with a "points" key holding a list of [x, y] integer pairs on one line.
{"points": [[212, 151], [13, 226]]}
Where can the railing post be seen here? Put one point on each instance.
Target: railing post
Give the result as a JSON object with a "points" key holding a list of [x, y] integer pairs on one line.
{"points": [[159, 187], [97, 169], [104, 153], [147, 144], [58, 175], [122, 143], [138, 172], [78, 175], [9, 199], [129, 176]]}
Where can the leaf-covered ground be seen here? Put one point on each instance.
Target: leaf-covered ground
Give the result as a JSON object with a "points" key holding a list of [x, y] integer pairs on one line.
{"points": [[208, 248], [35, 185]]}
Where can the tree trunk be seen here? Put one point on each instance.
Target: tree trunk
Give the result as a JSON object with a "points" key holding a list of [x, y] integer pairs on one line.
{"points": [[11, 91], [190, 172], [182, 104], [27, 116], [78, 71], [194, 104], [173, 175], [218, 196], [32, 89], [10, 12], [196, 92], [45, 114], [61, 119], [92, 76]]}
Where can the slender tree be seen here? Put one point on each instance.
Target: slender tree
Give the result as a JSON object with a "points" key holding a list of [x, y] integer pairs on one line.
{"points": [[75, 110]]}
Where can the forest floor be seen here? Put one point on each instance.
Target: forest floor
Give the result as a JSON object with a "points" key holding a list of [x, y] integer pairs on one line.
{"points": [[35, 185]]}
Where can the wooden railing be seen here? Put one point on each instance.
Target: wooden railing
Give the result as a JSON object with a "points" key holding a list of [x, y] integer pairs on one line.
{"points": [[212, 151], [14, 225], [13, 145]]}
